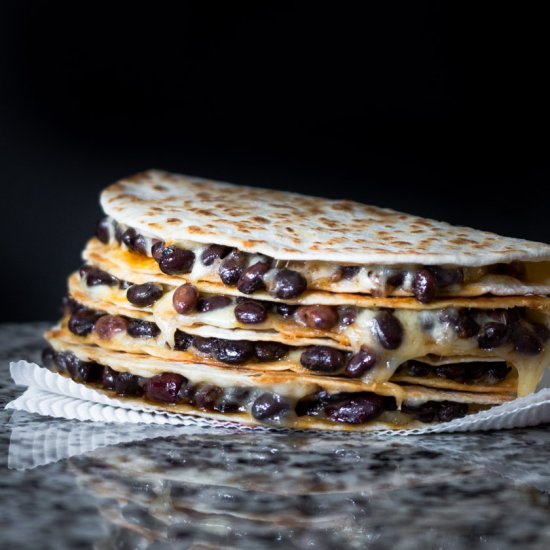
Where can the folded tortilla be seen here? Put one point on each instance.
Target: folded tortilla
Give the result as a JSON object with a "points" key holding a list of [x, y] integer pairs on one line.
{"points": [[425, 333], [278, 399], [319, 238]]}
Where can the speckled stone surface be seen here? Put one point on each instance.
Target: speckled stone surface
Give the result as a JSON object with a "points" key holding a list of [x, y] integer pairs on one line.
{"points": [[156, 487]]}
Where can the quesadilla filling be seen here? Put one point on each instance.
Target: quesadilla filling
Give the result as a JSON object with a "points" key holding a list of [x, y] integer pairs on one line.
{"points": [[383, 341], [263, 406], [250, 272]]}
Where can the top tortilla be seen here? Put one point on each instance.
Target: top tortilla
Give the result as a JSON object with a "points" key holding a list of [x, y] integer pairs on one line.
{"points": [[290, 226]]}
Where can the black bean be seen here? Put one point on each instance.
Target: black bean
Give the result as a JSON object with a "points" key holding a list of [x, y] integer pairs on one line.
{"points": [[117, 231], [206, 396], [448, 410], [465, 326], [446, 276], [514, 269], [173, 260], [156, 250], [186, 393], [143, 295], [322, 359], [526, 341], [347, 315], [388, 329], [288, 284], [497, 372], [48, 359], [124, 285], [140, 245], [396, 280], [103, 230], [164, 387], [252, 278], [210, 303], [452, 371], [182, 340], [128, 237], [493, 335], [312, 405], [108, 378], [542, 331], [232, 401], [204, 345], [232, 268], [82, 321], [356, 410], [134, 241], [350, 271], [317, 317], [127, 384], [269, 406], [360, 363], [424, 286], [270, 351], [142, 329], [89, 372], [67, 362], [390, 404], [475, 371], [94, 276], [250, 313], [214, 252], [508, 317], [286, 310], [185, 298], [108, 326], [233, 352], [80, 371], [416, 368], [426, 412]]}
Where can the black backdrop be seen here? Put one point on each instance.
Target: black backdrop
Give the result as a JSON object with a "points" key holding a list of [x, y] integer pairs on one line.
{"points": [[434, 109]]}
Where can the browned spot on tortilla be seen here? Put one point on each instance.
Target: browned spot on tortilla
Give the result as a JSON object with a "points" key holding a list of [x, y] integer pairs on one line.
{"points": [[173, 220], [462, 240], [343, 206], [259, 219], [195, 229]]}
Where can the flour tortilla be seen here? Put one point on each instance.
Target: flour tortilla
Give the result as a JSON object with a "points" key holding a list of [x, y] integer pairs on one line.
{"points": [[289, 226], [507, 292], [153, 348], [287, 384]]}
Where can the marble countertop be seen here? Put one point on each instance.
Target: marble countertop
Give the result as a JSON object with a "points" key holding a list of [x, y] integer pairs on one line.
{"points": [[70, 484]]}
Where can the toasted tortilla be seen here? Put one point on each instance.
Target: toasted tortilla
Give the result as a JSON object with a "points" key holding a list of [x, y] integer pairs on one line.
{"points": [[493, 291], [155, 348], [416, 344], [289, 226], [289, 385]]}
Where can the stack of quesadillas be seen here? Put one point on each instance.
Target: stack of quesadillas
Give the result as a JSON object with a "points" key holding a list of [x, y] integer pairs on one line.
{"points": [[270, 307]]}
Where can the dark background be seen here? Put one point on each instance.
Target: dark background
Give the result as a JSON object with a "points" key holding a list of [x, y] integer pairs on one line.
{"points": [[434, 109]]}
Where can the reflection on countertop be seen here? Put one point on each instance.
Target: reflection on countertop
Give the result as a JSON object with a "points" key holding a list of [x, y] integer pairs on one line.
{"points": [[70, 484]]}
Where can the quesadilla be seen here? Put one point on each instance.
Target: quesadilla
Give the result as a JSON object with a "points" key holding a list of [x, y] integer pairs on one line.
{"points": [[325, 307], [284, 242]]}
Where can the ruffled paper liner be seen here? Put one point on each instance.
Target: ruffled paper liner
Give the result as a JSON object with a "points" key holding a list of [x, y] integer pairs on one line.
{"points": [[50, 394]]}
